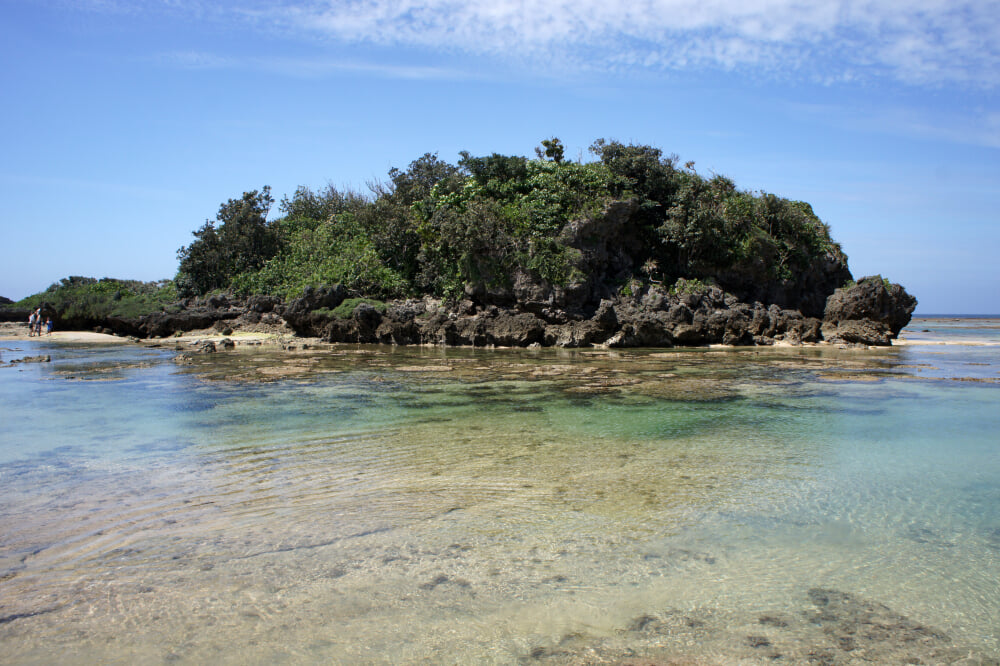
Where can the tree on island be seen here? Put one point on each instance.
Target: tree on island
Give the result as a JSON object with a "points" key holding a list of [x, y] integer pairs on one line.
{"points": [[243, 241], [442, 229]]}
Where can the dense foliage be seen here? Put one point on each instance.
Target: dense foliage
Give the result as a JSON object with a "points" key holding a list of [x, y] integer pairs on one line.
{"points": [[86, 299], [440, 228], [242, 242]]}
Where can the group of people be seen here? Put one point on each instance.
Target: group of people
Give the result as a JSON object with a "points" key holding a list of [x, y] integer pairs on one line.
{"points": [[35, 324]]}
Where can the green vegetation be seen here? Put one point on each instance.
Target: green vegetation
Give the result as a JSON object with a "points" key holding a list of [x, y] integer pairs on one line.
{"points": [[447, 229], [242, 243], [347, 308], [88, 299], [685, 287], [439, 228], [871, 278]]}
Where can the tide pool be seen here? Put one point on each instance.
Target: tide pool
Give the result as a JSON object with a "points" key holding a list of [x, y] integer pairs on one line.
{"points": [[394, 505]]}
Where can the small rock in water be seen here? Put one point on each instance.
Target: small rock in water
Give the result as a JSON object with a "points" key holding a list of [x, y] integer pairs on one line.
{"points": [[33, 359]]}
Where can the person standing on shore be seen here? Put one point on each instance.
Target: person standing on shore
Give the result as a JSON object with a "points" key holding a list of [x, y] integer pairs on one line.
{"points": [[48, 326], [38, 322], [31, 323]]}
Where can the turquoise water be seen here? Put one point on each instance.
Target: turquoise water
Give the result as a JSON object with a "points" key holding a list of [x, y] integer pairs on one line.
{"points": [[380, 505]]}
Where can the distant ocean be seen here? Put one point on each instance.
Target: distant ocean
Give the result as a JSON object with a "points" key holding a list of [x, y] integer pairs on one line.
{"points": [[956, 316], [382, 505]]}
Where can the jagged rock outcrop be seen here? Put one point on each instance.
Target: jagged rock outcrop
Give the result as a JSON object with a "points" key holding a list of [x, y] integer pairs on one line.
{"points": [[11, 314], [587, 311], [190, 315], [654, 317], [870, 312]]}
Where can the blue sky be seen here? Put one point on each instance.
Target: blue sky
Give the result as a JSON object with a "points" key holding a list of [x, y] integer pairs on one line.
{"points": [[126, 124]]}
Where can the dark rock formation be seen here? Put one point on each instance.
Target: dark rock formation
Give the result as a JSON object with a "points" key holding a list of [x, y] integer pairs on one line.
{"points": [[806, 291], [9, 313], [870, 312], [654, 317], [689, 314], [189, 315], [603, 305], [299, 313]]}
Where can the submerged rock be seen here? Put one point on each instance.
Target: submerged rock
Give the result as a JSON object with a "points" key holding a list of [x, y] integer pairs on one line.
{"points": [[33, 359], [832, 628]]}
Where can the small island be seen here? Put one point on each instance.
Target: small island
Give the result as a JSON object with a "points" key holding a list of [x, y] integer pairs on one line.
{"points": [[628, 250]]}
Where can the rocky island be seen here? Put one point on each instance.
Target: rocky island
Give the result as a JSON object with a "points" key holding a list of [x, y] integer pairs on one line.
{"points": [[628, 250]]}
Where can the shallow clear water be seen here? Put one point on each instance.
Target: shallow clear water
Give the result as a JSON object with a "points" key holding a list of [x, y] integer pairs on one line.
{"points": [[380, 505]]}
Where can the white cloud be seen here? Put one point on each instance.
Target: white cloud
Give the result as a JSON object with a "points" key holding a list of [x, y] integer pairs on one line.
{"points": [[917, 41]]}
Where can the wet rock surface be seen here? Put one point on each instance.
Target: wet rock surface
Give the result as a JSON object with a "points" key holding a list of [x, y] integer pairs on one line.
{"points": [[46, 358]]}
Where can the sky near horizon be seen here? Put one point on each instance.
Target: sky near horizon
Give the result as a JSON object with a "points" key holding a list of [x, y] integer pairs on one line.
{"points": [[127, 124]]}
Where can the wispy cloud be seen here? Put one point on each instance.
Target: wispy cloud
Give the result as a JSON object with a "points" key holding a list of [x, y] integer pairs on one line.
{"points": [[306, 67], [916, 41]]}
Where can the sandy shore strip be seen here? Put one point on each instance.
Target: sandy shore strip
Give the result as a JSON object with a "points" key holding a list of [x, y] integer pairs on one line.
{"points": [[19, 331]]}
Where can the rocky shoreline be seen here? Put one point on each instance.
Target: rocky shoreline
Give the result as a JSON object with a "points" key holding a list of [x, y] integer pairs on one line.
{"points": [[868, 313], [603, 301]]}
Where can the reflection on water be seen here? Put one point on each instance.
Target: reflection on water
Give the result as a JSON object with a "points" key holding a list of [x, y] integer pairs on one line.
{"points": [[379, 505]]}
